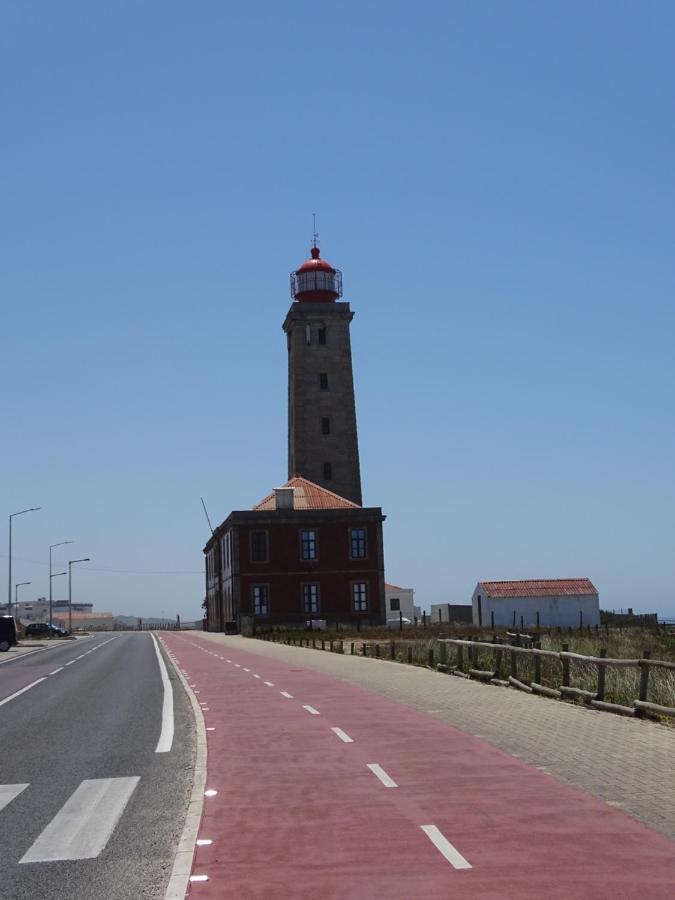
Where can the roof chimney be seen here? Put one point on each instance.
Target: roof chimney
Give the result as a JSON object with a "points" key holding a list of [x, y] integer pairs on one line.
{"points": [[283, 498]]}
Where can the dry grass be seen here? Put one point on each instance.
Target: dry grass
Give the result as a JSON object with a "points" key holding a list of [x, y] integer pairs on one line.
{"points": [[621, 683]]}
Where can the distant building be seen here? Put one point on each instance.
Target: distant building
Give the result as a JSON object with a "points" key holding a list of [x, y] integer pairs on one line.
{"points": [[564, 602], [450, 612], [399, 601], [303, 553]]}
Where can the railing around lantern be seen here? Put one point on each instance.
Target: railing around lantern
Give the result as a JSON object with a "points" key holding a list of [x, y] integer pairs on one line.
{"points": [[319, 280]]}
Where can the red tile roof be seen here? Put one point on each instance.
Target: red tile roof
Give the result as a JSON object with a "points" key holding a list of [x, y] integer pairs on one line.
{"points": [[394, 587], [546, 587], [307, 495]]}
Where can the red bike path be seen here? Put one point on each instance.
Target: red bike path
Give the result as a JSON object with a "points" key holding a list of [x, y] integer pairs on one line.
{"points": [[298, 813]]}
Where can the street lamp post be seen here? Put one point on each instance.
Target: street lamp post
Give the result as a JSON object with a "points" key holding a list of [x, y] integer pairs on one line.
{"points": [[51, 547], [16, 593], [9, 574], [71, 562], [55, 575]]}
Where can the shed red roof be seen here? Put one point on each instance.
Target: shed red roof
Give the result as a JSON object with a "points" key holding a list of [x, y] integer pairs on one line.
{"points": [[394, 587], [546, 587], [307, 495]]}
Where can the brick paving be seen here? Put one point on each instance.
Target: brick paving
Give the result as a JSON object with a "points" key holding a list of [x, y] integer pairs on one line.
{"points": [[628, 763]]}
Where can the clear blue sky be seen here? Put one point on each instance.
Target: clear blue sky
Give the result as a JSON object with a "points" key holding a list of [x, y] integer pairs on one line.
{"points": [[496, 181]]}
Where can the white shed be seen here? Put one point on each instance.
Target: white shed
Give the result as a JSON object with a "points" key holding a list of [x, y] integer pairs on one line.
{"points": [[399, 601], [549, 602]]}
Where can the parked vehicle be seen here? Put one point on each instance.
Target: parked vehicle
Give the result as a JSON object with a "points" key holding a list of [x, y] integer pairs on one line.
{"points": [[43, 629], [7, 633]]}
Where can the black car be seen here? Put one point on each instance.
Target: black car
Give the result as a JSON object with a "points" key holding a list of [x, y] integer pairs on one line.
{"points": [[7, 632], [42, 629]]}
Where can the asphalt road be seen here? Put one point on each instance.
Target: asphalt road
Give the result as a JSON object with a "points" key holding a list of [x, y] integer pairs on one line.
{"points": [[83, 742]]}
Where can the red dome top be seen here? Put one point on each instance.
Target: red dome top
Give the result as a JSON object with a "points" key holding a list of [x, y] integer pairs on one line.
{"points": [[311, 265], [316, 281]]}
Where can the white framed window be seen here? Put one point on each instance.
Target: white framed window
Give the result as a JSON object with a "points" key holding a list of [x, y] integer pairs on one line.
{"points": [[260, 599], [360, 596], [358, 545], [310, 598], [308, 544]]}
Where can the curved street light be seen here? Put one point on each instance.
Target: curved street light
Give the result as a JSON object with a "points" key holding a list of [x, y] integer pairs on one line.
{"points": [[51, 547], [9, 574], [71, 562], [16, 594]]}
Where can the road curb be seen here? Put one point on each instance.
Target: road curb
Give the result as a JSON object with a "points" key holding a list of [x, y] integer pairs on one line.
{"points": [[182, 865]]}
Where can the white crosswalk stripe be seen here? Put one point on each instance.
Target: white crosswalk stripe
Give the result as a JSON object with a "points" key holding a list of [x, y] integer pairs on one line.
{"points": [[9, 791], [84, 824]]}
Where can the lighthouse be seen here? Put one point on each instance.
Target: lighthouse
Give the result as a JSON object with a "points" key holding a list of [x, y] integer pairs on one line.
{"points": [[322, 436]]}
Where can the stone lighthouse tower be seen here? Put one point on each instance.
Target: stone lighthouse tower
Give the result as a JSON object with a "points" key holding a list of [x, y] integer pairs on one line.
{"points": [[322, 439]]}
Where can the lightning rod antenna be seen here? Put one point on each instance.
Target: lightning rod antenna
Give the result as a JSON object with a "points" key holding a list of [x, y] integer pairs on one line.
{"points": [[207, 516]]}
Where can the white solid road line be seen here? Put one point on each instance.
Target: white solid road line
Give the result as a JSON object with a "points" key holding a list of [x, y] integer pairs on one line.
{"points": [[9, 791], [56, 671], [310, 709], [83, 825], [22, 691], [286, 694], [440, 842], [379, 772], [343, 735], [71, 662], [166, 734]]}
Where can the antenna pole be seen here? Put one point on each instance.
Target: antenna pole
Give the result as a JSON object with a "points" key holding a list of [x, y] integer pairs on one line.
{"points": [[207, 516], [315, 236]]}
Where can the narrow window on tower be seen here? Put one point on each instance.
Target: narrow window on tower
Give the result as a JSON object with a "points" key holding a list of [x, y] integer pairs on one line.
{"points": [[322, 334], [327, 471], [323, 381], [308, 334], [325, 425]]}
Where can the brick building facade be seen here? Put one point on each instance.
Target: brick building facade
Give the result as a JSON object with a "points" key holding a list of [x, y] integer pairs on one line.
{"points": [[301, 554]]}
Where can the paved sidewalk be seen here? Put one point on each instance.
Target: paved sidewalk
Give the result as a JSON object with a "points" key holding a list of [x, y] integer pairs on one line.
{"points": [[628, 763]]}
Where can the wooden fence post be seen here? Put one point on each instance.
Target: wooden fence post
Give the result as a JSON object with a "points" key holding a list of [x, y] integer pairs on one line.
{"points": [[364, 649], [537, 662], [514, 664], [443, 652], [431, 657], [492, 619], [565, 667], [393, 650], [400, 621], [410, 655], [498, 659], [460, 657], [351, 651], [601, 676], [644, 681], [342, 647], [377, 651]]}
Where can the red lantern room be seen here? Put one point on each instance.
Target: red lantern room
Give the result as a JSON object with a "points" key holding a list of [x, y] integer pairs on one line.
{"points": [[316, 281]]}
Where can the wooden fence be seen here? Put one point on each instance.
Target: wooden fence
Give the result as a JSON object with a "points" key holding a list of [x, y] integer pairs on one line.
{"points": [[470, 662], [502, 653]]}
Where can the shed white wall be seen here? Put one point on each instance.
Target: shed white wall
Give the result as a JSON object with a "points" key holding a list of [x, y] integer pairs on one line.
{"points": [[407, 604], [565, 611]]}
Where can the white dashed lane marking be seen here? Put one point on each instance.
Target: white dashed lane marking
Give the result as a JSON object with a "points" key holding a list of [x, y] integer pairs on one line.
{"points": [[286, 694], [343, 735], [379, 772], [310, 709], [441, 843], [269, 683]]}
